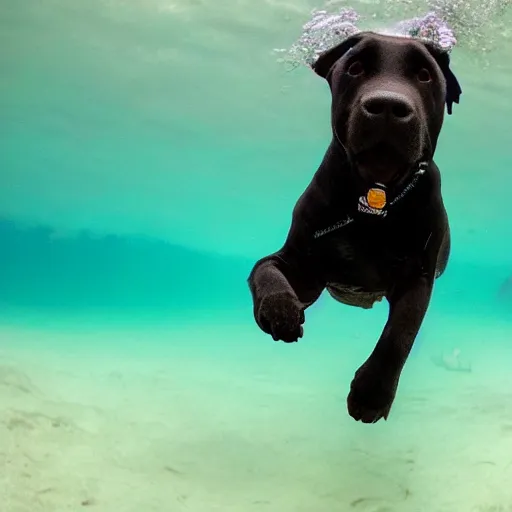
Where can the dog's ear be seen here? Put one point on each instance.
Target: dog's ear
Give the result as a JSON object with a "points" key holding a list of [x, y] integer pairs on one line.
{"points": [[323, 65], [453, 89]]}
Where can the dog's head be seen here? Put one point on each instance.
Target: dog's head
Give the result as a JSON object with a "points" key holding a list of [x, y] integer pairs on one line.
{"points": [[388, 100]]}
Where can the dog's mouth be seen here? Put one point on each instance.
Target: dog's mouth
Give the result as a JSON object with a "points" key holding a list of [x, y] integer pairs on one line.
{"points": [[381, 163]]}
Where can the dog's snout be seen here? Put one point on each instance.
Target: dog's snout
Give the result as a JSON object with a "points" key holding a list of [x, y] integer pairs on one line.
{"points": [[387, 105]]}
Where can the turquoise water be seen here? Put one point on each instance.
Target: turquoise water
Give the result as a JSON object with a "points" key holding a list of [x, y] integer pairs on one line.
{"points": [[150, 153]]}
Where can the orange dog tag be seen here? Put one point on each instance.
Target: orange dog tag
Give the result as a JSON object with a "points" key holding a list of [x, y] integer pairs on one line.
{"points": [[376, 198]]}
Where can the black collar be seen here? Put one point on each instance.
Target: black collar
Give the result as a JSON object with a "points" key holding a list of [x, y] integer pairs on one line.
{"points": [[375, 199]]}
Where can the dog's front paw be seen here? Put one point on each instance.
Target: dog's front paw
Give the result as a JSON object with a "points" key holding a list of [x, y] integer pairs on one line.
{"points": [[281, 315], [372, 392]]}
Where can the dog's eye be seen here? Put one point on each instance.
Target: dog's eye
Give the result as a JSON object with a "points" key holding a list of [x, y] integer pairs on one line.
{"points": [[355, 69], [424, 75]]}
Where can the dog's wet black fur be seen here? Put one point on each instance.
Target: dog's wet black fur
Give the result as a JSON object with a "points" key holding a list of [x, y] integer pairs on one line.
{"points": [[372, 222]]}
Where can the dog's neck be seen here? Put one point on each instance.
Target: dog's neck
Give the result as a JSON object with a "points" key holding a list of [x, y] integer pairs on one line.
{"points": [[376, 199]]}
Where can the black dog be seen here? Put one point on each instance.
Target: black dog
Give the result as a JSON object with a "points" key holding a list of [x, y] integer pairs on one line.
{"points": [[372, 222]]}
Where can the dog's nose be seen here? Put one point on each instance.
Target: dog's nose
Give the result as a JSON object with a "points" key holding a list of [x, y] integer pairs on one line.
{"points": [[388, 105]]}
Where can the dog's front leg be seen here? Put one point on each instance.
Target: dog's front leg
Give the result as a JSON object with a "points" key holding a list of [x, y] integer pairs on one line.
{"points": [[282, 288], [375, 383]]}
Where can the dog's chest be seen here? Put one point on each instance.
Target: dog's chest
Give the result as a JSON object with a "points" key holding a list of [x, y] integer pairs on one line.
{"points": [[367, 253]]}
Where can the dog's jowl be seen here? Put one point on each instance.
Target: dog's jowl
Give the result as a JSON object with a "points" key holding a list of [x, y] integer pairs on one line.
{"points": [[372, 223]]}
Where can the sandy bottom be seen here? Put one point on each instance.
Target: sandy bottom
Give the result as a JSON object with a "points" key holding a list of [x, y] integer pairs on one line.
{"points": [[223, 419]]}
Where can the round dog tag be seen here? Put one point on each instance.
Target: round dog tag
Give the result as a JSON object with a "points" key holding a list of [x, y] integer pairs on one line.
{"points": [[376, 198]]}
